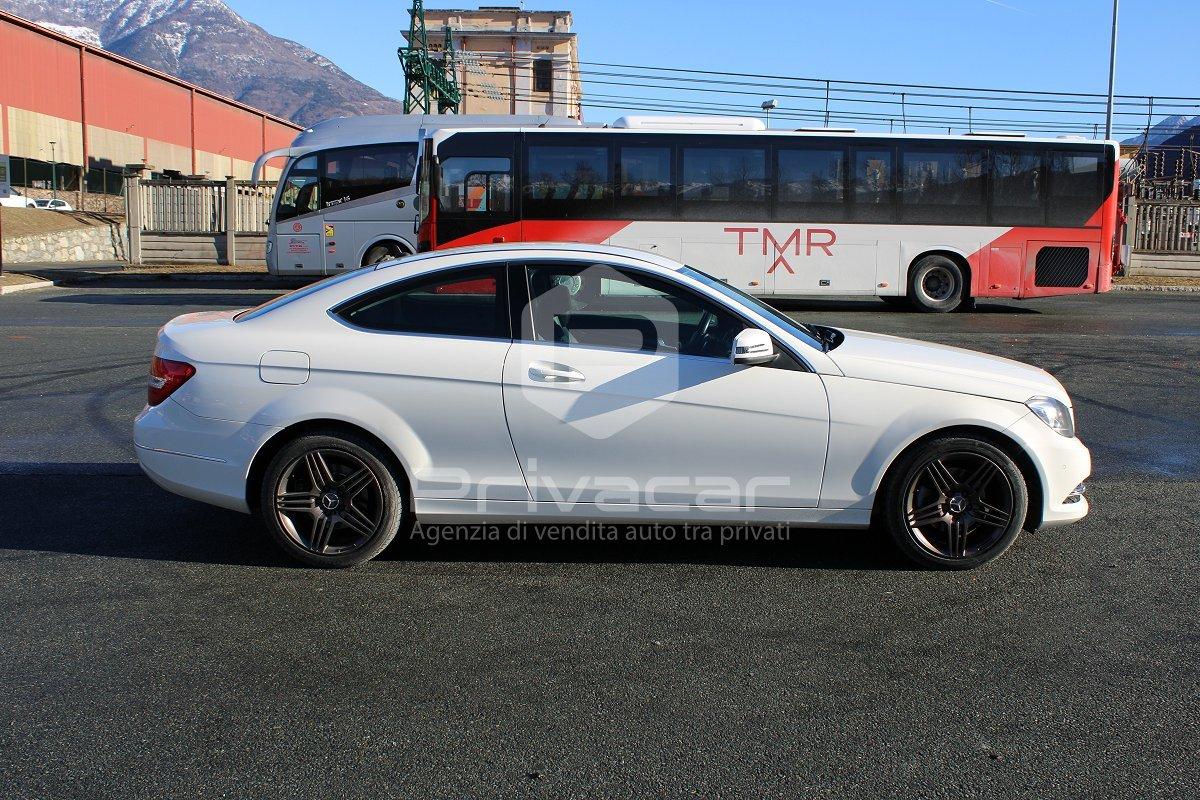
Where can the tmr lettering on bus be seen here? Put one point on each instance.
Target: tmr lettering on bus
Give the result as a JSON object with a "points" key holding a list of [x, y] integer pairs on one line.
{"points": [[938, 219]]}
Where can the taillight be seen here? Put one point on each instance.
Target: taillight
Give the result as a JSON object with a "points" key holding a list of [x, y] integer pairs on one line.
{"points": [[165, 377]]}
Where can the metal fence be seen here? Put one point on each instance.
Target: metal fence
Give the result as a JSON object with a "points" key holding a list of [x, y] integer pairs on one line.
{"points": [[1165, 226], [168, 206]]}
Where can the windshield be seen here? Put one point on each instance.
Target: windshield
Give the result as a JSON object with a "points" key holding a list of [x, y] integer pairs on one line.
{"points": [[790, 325]]}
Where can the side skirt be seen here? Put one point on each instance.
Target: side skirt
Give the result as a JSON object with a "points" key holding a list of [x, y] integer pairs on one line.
{"points": [[431, 509]]}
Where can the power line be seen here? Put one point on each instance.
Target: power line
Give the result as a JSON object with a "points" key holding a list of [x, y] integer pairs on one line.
{"points": [[905, 86], [884, 95], [672, 105]]}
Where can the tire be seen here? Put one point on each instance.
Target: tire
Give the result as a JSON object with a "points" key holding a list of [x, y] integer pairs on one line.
{"points": [[380, 253], [331, 500], [953, 503], [936, 284]]}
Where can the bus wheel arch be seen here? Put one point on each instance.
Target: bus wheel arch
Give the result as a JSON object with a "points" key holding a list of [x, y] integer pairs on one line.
{"points": [[384, 250], [939, 281]]}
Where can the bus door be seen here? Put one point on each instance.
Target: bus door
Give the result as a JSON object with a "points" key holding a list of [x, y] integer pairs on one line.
{"points": [[475, 189], [298, 222]]}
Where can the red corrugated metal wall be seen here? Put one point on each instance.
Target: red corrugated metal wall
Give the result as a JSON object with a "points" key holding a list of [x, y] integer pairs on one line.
{"points": [[59, 80]]}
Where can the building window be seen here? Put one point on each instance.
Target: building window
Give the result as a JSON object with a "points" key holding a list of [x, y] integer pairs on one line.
{"points": [[543, 75]]}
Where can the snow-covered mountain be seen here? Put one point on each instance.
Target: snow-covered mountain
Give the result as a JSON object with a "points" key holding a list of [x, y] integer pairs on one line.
{"points": [[1165, 129], [207, 43]]}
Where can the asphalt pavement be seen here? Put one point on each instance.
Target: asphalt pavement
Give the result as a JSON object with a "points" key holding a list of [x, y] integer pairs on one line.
{"points": [[156, 647]]}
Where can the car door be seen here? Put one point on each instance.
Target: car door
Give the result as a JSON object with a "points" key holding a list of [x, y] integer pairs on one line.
{"points": [[619, 389]]}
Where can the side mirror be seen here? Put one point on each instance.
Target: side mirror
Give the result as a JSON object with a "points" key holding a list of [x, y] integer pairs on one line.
{"points": [[753, 347]]}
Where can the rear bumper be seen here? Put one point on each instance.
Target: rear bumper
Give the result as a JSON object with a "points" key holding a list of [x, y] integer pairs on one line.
{"points": [[1062, 464], [199, 458]]}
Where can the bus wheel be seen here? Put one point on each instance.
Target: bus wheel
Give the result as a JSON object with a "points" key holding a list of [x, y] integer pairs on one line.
{"points": [[380, 253], [936, 284]]}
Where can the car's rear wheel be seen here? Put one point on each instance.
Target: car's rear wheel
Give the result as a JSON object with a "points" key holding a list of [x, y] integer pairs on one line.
{"points": [[331, 500], [936, 284], [954, 503]]}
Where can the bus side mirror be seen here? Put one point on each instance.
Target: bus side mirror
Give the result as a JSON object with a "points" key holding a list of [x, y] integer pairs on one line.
{"points": [[753, 347]]}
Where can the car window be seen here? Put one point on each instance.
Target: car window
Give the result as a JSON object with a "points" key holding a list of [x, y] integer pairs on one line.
{"points": [[598, 305], [461, 302]]}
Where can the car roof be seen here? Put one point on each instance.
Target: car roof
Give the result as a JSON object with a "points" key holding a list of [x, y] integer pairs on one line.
{"points": [[570, 250]]}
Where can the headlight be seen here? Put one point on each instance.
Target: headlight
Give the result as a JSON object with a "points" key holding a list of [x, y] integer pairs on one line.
{"points": [[1054, 413], [270, 246]]}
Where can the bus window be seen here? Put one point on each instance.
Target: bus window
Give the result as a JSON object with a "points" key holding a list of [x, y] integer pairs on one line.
{"points": [[942, 186], [723, 183], [301, 192], [811, 185], [357, 172], [1075, 188], [475, 184], [1017, 187], [873, 185], [570, 180], [644, 187]]}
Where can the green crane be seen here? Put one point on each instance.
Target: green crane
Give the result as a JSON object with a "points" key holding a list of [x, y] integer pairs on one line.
{"points": [[428, 82]]}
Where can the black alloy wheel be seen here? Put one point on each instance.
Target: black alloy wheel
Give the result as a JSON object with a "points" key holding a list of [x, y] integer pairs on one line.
{"points": [[331, 500], [955, 503]]}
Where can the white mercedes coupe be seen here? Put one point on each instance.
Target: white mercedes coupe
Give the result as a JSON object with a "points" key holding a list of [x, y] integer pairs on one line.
{"points": [[553, 382]]}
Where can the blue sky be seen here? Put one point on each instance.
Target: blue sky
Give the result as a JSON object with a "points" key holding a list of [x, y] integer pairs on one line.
{"points": [[1027, 44]]}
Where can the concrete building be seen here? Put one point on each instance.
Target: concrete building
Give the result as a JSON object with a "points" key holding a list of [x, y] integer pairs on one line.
{"points": [[512, 60], [102, 112]]}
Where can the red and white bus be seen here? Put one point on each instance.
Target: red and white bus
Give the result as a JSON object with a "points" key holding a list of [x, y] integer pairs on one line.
{"points": [[940, 220]]}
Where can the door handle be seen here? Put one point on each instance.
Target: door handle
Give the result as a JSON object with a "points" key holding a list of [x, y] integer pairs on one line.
{"points": [[549, 372]]}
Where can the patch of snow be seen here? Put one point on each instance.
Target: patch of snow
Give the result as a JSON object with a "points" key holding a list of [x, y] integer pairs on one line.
{"points": [[80, 32]]}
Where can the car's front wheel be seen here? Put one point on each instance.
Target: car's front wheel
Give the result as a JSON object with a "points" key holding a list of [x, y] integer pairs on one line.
{"points": [[954, 503], [331, 500]]}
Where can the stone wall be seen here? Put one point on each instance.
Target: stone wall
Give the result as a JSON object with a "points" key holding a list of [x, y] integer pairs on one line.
{"points": [[104, 242]]}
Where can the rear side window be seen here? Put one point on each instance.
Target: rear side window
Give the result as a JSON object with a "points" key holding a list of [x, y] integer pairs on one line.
{"points": [[461, 302]]}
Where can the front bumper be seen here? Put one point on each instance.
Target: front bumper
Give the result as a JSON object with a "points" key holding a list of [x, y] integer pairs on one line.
{"points": [[1063, 465], [196, 457]]}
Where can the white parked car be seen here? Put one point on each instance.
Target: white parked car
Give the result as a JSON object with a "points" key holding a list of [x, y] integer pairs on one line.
{"points": [[53, 205], [556, 382], [16, 200]]}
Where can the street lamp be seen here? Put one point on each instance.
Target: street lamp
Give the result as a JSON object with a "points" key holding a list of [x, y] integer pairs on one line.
{"points": [[1112, 74], [53, 171], [767, 105]]}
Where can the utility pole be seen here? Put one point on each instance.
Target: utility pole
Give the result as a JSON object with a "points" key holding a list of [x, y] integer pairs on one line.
{"points": [[1112, 74], [53, 172]]}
